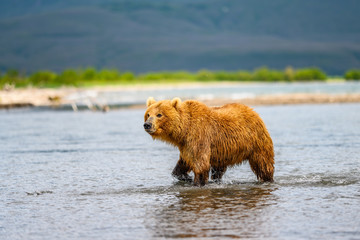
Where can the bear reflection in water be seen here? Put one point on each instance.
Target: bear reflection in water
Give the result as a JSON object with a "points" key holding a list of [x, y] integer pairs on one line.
{"points": [[211, 138], [227, 211]]}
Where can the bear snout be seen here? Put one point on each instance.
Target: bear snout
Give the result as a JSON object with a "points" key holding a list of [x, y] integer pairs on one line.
{"points": [[147, 126]]}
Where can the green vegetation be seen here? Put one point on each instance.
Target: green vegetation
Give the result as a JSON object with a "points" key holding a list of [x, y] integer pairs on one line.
{"points": [[93, 77], [353, 74]]}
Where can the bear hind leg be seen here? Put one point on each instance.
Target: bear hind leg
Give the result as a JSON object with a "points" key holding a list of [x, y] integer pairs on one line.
{"points": [[263, 167]]}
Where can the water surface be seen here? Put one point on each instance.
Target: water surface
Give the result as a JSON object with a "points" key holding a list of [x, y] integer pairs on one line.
{"points": [[233, 91], [89, 175]]}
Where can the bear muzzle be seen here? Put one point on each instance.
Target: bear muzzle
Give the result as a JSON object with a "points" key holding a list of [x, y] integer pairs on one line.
{"points": [[149, 127]]}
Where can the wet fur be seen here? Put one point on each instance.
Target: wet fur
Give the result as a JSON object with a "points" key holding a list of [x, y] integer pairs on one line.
{"points": [[212, 138]]}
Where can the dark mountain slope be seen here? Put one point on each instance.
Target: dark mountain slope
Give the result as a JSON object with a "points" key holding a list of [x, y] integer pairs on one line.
{"points": [[147, 35]]}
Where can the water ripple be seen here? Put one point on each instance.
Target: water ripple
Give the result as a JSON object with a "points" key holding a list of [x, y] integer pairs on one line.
{"points": [[318, 180]]}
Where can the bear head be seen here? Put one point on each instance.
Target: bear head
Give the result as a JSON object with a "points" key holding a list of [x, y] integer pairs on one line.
{"points": [[162, 118]]}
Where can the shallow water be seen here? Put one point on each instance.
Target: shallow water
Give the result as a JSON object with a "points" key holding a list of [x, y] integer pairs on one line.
{"points": [[88, 175]]}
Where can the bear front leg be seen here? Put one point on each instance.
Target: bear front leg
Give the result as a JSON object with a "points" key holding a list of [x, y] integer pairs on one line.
{"points": [[201, 178], [181, 171], [217, 173], [201, 171]]}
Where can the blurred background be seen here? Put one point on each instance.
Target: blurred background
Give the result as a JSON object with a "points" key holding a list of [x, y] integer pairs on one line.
{"points": [[161, 35]]}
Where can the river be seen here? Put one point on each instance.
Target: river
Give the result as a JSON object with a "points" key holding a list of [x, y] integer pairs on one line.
{"points": [[90, 175]]}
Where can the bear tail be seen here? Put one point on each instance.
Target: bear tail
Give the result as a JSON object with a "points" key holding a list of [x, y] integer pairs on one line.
{"points": [[263, 166]]}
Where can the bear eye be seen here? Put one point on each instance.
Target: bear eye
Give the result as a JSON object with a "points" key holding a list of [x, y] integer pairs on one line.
{"points": [[159, 115], [148, 115]]}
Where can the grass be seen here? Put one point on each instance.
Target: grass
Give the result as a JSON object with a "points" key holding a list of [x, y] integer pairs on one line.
{"points": [[91, 77]]}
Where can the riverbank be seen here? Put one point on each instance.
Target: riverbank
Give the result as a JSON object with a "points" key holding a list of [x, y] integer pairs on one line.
{"points": [[39, 97]]}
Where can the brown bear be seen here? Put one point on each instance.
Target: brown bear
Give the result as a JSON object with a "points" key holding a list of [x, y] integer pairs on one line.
{"points": [[211, 138]]}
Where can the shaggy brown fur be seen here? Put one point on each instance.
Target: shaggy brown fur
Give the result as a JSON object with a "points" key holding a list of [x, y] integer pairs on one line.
{"points": [[211, 138]]}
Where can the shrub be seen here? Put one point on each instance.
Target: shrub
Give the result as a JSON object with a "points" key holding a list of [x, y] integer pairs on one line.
{"points": [[204, 75], [289, 73], [108, 74], [225, 76], [2, 81], [127, 76], [42, 78], [155, 76], [353, 74], [265, 74], [308, 74], [68, 77], [149, 76], [13, 78], [243, 76], [182, 75], [89, 74]]}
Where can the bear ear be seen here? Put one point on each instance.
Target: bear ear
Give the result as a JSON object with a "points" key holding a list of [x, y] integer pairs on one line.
{"points": [[176, 102], [150, 101]]}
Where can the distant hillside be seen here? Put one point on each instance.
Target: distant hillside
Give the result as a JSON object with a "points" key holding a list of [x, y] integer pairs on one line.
{"points": [[151, 35]]}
